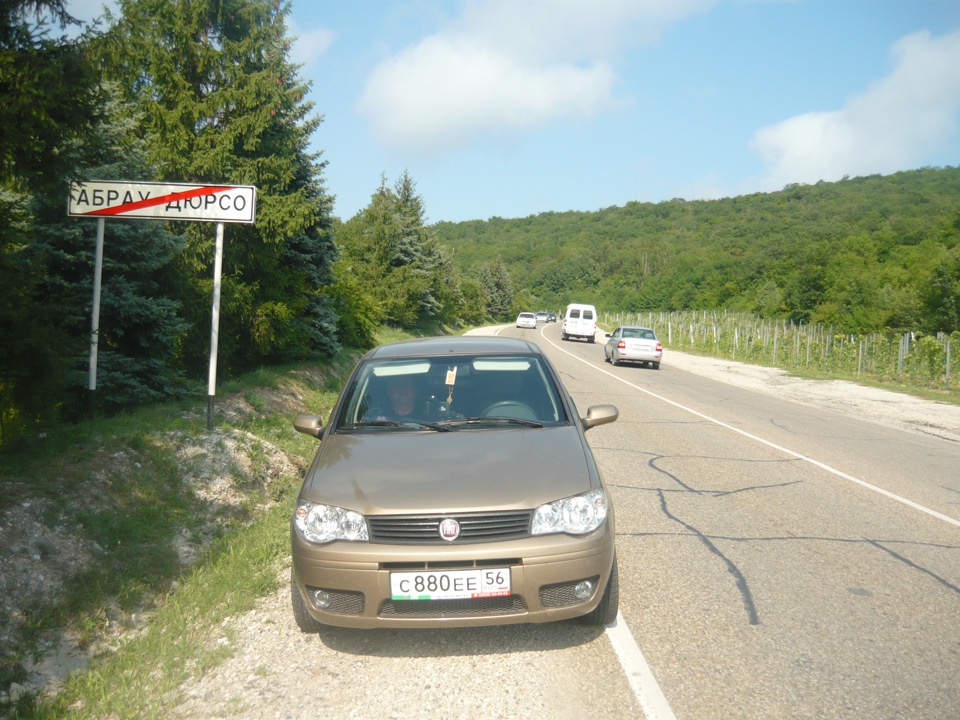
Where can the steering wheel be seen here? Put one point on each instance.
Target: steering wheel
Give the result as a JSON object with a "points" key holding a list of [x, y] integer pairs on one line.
{"points": [[510, 408]]}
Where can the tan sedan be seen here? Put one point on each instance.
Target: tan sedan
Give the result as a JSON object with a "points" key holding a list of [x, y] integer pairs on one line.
{"points": [[453, 486]]}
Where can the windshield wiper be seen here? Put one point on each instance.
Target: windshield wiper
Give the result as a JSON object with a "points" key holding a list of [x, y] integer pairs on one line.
{"points": [[495, 420], [411, 425]]}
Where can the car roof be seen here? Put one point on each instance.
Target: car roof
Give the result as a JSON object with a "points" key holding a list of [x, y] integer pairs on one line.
{"points": [[453, 345], [635, 327]]}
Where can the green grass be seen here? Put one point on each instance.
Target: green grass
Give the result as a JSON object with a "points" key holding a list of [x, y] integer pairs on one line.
{"points": [[116, 482], [142, 678], [948, 395]]}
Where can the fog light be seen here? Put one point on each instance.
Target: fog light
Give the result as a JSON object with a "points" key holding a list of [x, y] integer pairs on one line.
{"points": [[584, 589], [321, 598]]}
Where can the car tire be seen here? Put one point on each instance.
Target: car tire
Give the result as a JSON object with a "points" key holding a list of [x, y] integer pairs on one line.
{"points": [[590, 339], [614, 361], [305, 621], [656, 365], [563, 336], [606, 612]]}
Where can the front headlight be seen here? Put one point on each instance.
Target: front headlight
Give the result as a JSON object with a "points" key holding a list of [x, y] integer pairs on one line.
{"points": [[577, 515], [326, 523]]}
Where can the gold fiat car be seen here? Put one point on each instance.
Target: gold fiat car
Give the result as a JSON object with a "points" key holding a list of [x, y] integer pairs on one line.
{"points": [[453, 486]]}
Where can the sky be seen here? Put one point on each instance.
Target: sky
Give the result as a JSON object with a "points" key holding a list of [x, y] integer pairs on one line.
{"points": [[512, 108]]}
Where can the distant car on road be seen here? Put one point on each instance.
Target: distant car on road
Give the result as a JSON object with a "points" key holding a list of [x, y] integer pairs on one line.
{"points": [[551, 317], [526, 320], [633, 344], [453, 486], [543, 317]]}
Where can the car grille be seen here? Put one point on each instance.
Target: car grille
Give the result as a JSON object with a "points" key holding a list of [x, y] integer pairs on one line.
{"points": [[425, 529], [510, 605]]}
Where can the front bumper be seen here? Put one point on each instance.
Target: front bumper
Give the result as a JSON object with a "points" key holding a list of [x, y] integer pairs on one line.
{"points": [[543, 570]]}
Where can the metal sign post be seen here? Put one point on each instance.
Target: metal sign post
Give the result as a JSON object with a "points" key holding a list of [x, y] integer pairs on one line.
{"points": [[161, 201], [215, 326], [95, 322]]}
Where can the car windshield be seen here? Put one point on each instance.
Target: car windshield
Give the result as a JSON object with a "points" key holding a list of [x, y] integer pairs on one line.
{"points": [[459, 393]]}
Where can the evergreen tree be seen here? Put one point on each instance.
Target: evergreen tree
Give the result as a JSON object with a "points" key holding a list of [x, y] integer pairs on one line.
{"points": [[222, 104], [495, 280], [411, 279], [415, 247], [49, 100], [139, 324]]}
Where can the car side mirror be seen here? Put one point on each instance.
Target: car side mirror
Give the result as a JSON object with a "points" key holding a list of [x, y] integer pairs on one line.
{"points": [[309, 425], [600, 415]]}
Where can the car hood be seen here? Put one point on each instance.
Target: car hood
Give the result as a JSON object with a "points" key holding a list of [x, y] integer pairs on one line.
{"points": [[399, 472]]}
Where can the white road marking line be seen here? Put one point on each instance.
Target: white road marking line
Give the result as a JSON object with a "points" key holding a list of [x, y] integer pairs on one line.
{"points": [[791, 453], [641, 679], [640, 676]]}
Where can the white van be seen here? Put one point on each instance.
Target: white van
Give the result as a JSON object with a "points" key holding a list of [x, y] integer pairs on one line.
{"points": [[579, 321]]}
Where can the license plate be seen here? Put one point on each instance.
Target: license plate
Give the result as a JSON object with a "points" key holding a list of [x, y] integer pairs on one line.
{"points": [[450, 584]]}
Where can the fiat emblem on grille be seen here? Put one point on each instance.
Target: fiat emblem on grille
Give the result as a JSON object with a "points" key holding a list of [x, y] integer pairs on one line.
{"points": [[449, 529]]}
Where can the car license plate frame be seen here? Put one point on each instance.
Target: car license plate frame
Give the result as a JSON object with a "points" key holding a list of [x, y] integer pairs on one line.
{"points": [[450, 584]]}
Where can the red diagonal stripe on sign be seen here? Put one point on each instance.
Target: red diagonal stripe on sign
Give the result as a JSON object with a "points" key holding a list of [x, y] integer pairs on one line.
{"points": [[160, 200]]}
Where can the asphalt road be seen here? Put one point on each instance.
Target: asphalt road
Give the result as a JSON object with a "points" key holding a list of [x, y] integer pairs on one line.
{"points": [[764, 573], [776, 562]]}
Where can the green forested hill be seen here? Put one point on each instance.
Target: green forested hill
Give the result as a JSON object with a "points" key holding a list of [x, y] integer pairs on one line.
{"points": [[863, 254]]}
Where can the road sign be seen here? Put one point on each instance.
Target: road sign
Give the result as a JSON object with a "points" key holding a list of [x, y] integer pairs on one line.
{"points": [[163, 201]]}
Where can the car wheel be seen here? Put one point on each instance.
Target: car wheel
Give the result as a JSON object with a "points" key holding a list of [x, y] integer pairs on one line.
{"points": [[656, 365], [563, 336], [614, 361], [590, 339], [606, 612], [304, 620]]}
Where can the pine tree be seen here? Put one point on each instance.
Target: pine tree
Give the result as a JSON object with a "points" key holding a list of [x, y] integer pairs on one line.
{"points": [[223, 104], [140, 325], [496, 281], [48, 102], [388, 245]]}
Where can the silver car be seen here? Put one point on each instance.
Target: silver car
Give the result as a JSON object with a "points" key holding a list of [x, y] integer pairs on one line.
{"points": [[453, 486], [633, 344]]}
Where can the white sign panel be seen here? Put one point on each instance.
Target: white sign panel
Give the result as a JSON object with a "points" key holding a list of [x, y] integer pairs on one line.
{"points": [[163, 201]]}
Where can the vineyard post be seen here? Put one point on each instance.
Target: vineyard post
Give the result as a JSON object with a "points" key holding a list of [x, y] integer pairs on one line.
{"points": [[946, 375]]}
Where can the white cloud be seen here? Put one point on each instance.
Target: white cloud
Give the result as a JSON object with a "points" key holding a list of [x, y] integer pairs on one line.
{"points": [[895, 124], [310, 45], [506, 66]]}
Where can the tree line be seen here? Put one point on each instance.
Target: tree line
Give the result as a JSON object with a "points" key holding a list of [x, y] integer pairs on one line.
{"points": [[863, 255]]}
